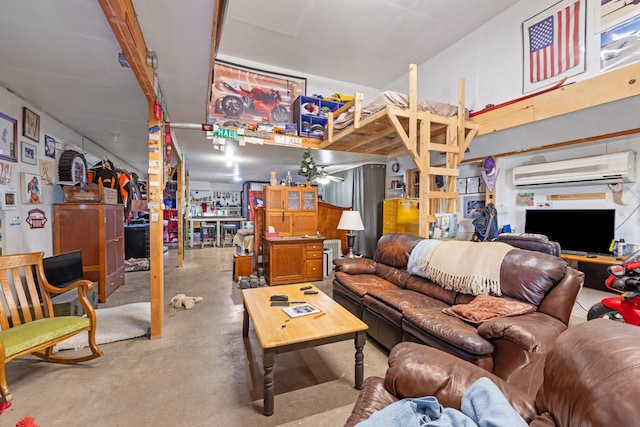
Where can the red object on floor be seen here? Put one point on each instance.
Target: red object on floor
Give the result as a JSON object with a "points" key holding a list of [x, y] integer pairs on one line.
{"points": [[27, 422], [4, 405]]}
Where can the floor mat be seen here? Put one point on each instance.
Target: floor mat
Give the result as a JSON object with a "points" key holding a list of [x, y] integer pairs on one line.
{"points": [[114, 324], [136, 264]]}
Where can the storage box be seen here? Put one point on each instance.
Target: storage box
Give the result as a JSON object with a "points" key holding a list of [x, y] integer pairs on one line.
{"points": [[74, 194]]}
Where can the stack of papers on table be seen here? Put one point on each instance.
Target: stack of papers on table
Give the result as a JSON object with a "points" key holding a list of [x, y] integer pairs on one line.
{"points": [[300, 310]]}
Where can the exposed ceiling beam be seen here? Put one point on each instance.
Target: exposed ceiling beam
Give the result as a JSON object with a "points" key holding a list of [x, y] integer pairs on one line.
{"points": [[219, 13], [612, 86], [124, 24]]}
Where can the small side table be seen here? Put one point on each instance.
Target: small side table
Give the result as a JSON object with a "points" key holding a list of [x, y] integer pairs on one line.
{"points": [[242, 265]]}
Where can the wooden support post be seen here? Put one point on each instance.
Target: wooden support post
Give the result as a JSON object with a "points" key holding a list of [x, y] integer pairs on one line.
{"points": [[155, 186], [180, 201]]}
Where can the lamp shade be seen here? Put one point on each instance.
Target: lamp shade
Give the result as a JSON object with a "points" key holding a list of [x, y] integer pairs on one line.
{"points": [[350, 220]]}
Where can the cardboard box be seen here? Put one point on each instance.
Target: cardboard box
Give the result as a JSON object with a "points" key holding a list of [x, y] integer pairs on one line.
{"points": [[96, 194]]}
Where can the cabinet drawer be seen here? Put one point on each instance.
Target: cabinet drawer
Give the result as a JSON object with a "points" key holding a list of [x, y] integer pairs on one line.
{"points": [[389, 224], [314, 270], [311, 255], [310, 247]]}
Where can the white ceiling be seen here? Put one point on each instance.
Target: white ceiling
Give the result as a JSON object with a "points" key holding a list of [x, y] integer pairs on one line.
{"points": [[63, 58]]}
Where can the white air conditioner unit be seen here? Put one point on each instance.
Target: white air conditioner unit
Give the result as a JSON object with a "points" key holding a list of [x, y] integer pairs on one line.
{"points": [[608, 168]]}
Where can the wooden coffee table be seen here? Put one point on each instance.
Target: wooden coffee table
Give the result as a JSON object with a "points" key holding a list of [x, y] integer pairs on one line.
{"points": [[279, 333]]}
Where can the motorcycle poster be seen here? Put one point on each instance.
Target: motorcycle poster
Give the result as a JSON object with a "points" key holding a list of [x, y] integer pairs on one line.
{"points": [[242, 95]]}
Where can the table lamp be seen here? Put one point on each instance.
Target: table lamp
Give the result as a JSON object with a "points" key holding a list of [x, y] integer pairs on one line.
{"points": [[350, 221]]}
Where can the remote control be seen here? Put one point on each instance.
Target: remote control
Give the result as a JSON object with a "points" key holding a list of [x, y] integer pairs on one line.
{"points": [[304, 288], [279, 298], [310, 292], [280, 303]]}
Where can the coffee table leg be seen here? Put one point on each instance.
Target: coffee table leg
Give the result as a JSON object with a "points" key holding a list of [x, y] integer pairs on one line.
{"points": [[360, 340], [245, 322], [268, 358]]}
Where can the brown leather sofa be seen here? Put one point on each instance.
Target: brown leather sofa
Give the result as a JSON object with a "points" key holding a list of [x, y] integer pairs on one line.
{"points": [[400, 306], [587, 379]]}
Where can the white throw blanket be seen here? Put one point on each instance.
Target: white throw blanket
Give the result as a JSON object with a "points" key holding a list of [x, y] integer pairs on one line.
{"points": [[420, 256], [467, 267]]}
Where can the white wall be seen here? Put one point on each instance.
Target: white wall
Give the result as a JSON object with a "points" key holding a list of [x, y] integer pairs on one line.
{"points": [[19, 238], [315, 84], [491, 61], [625, 203]]}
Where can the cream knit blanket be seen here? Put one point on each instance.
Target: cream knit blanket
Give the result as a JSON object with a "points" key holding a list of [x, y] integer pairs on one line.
{"points": [[467, 267]]}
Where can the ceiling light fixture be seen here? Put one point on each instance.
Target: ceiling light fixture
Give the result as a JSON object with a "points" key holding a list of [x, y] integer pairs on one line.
{"points": [[323, 180]]}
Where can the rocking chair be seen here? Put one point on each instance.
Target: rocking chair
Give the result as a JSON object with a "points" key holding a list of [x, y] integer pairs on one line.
{"points": [[27, 321]]}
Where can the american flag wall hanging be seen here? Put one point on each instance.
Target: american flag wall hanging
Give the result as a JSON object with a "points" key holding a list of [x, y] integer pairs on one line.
{"points": [[554, 44]]}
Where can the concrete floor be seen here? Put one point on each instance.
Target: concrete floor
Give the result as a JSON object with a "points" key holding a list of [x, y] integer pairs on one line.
{"points": [[200, 372]]}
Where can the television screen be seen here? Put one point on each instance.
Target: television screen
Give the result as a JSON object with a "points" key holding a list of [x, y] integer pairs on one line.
{"points": [[577, 230]]}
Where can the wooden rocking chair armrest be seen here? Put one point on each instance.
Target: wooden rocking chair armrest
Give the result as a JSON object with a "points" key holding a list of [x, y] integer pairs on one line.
{"points": [[82, 283]]}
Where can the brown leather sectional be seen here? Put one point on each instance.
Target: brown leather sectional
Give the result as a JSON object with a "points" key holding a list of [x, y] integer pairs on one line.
{"points": [[586, 379], [400, 306]]}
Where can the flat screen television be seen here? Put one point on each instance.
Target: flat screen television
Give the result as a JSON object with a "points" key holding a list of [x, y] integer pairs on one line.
{"points": [[576, 230]]}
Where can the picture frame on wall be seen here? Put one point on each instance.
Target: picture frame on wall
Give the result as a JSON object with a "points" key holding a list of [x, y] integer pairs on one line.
{"points": [[553, 45], [49, 146], [46, 171], [5, 173], [8, 138], [30, 185], [461, 185], [473, 206], [248, 95], [611, 13], [618, 45], [8, 200], [30, 124], [473, 184], [29, 153]]}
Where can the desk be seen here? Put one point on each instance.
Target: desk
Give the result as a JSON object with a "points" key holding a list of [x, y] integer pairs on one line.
{"points": [[594, 269], [217, 220], [599, 259]]}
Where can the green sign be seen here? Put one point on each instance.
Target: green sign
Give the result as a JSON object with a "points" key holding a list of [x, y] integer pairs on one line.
{"points": [[226, 133]]}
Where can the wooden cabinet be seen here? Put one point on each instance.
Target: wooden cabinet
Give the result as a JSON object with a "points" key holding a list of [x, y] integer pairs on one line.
{"points": [[242, 266], [292, 259], [97, 230], [291, 211]]}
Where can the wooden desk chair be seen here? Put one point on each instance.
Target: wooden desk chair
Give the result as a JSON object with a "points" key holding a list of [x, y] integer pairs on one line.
{"points": [[27, 319]]}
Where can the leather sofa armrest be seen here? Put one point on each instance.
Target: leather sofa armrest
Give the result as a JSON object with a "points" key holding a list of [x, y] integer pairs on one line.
{"points": [[533, 332], [355, 265], [416, 370], [372, 398]]}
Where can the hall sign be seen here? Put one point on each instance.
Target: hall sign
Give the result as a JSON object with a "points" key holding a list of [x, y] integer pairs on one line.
{"points": [[226, 133]]}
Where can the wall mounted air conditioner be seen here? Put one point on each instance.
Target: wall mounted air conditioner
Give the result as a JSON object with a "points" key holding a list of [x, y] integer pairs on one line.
{"points": [[607, 168]]}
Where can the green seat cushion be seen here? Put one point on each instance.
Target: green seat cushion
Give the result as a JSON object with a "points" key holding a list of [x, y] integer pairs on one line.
{"points": [[32, 334]]}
